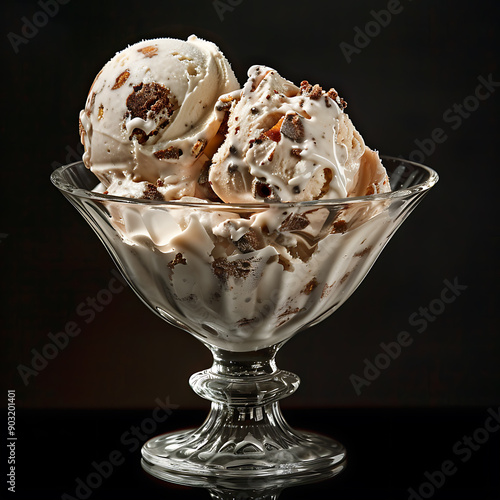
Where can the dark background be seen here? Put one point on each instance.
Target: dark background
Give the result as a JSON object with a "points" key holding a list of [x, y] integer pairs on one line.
{"points": [[401, 87]]}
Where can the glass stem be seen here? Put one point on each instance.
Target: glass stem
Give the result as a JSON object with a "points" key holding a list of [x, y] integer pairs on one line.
{"points": [[244, 379]]}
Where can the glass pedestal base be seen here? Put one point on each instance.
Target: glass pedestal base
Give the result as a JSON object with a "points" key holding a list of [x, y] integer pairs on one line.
{"points": [[242, 443], [245, 437]]}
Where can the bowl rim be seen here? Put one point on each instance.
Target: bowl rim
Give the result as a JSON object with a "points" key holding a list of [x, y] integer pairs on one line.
{"points": [[65, 187]]}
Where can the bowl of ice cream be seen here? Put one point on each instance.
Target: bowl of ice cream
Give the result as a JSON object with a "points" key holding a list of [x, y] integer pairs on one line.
{"points": [[241, 216], [244, 277]]}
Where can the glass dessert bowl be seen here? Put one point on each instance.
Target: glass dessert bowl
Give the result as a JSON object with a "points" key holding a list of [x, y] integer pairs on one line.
{"points": [[243, 279]]}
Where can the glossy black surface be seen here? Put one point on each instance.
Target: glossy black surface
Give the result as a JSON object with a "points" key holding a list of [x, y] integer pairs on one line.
{"points": [[389, 452]]}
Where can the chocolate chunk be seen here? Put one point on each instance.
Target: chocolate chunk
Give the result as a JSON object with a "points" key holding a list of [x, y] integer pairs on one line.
{"points": [[140, 135], [179, 259], [339, 226], [262, 190], [294, 222], [305, 87], [204, 183], [233, 150], [292, 127], [296, 152], [149, 99], [224, 268], [171, 153], [249, 242], [121, 79], [332, 94], [203, 178], [151, 193], [308, 90], [316, 92]]}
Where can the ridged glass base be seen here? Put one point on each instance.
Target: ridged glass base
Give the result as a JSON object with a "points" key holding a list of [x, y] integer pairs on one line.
{"points": [[235, 442], [242, 443]]}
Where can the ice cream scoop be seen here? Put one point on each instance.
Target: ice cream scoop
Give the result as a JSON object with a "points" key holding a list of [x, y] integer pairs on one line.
{"points": [[289, 144], [149, 123]]}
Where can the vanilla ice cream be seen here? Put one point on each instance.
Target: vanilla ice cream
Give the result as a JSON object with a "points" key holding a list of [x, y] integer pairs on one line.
{"points": [[149, 125], [286, 143], [166, 120], [250, 278]]}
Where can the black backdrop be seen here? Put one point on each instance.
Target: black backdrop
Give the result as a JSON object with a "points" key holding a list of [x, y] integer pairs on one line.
{"points": [[410, 84]]}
